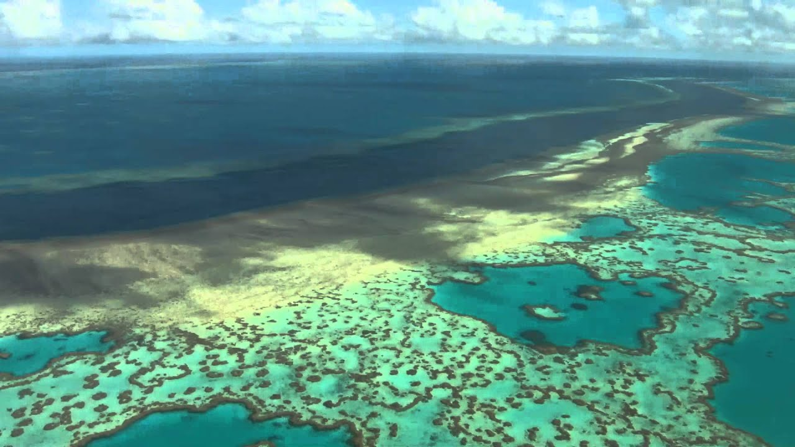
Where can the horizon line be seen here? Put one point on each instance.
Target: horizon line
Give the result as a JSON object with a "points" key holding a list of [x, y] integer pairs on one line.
{"points": [[193, 49]]}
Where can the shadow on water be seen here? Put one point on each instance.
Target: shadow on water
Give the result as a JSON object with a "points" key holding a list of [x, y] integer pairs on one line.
{"points": [[61, 282], [134, 206], [389, 227]]}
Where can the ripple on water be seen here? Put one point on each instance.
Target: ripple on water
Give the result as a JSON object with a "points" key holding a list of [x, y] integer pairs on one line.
{"points": [[226, 425], [26, 355], [760, 394], [517, 301]]}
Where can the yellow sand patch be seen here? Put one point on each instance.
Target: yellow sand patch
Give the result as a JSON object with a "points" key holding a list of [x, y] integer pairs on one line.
{"points": [[306, 273], [629, 148], [651, 127], [777, 108], [597, 161], [688, 138], [278, 278], [256, 262], [564, 177], [520, 173], [636, 137], [564, 162]]}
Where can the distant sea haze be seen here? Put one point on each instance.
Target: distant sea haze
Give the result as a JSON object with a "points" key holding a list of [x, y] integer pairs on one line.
{"points": [[90, 149]]}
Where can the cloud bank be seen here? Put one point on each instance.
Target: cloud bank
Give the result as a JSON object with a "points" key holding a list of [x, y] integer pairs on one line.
{"points": [[149, 20], [762, 26], [478, 20], [30, 20]]}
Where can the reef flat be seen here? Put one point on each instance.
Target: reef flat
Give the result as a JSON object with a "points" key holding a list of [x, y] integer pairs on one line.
{"points": [[323, 312]]}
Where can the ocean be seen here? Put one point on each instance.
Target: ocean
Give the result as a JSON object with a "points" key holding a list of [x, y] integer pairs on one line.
{"points": [[510, 251], [107, 145]]}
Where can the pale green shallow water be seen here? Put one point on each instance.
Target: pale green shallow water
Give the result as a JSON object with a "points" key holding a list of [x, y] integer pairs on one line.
{"points": [[381, 355]]}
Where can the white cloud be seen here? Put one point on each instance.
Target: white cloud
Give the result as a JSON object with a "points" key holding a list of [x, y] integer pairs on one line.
{"points": [[733, 13], [310, 20], [488, 21], [585, 38], [637, 10], [271, 21], [553, 8], [584, 18], [701, 25], [479, 20], [782, 13], [733, 25], [148, 20], [31, 19], [687, 20], [585, 28]]}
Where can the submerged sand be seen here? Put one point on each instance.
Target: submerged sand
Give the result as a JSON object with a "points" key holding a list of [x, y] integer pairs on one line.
{"points": [[322, 311], [234, 266]]}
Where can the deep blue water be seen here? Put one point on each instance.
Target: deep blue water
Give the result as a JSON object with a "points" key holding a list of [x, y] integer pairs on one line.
{"points": [[299, 127], [617, 318], [780, 129], [693, 181], [227, 425], [759, 396], [29, 355], [82, 120], [782, 86]]}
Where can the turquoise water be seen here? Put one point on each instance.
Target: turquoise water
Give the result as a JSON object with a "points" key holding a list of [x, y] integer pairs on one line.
{"points": [[616, 319], [738, 145], [773, 130], [227, 425], [596, 227], [29, 355], [760, 394], [692, 181]]}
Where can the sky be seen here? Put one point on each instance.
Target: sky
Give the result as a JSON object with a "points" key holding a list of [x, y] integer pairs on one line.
{"points": [[714, 29]]}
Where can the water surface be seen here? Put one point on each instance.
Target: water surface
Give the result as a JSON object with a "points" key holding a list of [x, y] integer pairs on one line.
{"points": [[605, 311], [597, 228], [227, 425], [97, 149], [31, 354], [778, 129], [760, 394], [723, 183], [738, 145]]}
